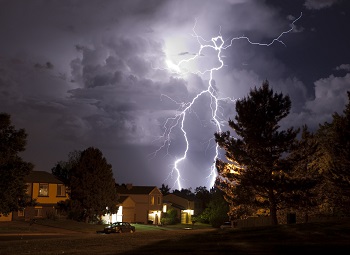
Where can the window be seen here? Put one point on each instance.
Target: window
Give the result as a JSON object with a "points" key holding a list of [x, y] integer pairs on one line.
{"points": [[61, 190], [43, 189], [158, 200], [20, 213], [38, 212], [152, 200]]}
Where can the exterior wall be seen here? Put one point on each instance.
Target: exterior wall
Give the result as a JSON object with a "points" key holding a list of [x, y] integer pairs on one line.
{"points": [[141, 208], [52, 197], [147, 207], [46, 205], [6, 218], [129, 213]]}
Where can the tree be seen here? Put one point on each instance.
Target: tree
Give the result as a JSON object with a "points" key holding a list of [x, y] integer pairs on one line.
{"points": [[334, 138], [217, 209], [165, 189], [62, 169], [13, 169], [202, 197], [184, 193], [170, 217], [309, 191], [92, 186], [256, 160]]}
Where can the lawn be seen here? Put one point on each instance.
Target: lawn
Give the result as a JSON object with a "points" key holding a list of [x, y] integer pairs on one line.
{"points": [[311, 238]]}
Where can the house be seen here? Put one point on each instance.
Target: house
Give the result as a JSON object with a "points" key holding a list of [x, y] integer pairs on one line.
{"points": [[47, 190], [140, 204], [185, 207], [126, 211]]}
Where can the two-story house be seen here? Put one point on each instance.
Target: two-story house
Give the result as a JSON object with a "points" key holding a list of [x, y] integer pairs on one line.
{"points": [[144, 206], [47, 190], [185, 207]]}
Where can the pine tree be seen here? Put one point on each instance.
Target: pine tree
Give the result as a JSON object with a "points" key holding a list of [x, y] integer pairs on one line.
{"points": [[257, 172], [306, 183], [334, 138]]}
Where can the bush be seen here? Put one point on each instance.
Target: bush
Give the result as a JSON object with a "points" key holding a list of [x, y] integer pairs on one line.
{"points": [[170, 218]]}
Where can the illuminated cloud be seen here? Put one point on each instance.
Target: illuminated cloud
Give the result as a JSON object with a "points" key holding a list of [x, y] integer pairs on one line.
{"points": [[319, 4], [106, 77]]}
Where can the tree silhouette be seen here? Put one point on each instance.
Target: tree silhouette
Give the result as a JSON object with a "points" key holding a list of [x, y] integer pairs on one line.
{"points": [[257, 166], [92, 186], [12, 168], [334, 161], [62, 169], [165, 189]]}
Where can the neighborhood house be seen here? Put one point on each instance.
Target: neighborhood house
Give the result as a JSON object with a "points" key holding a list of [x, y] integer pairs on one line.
{"points": [[137, 204], [47, 190]]}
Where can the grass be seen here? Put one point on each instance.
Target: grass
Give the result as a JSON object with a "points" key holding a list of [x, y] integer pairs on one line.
{"points": [[310, 238], [64, 224]]}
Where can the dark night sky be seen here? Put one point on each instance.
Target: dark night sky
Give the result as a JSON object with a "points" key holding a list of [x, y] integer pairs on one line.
{"points": [[77, 74]]}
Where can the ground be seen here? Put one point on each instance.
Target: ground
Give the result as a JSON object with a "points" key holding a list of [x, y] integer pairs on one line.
{"points": [[321, 238]]}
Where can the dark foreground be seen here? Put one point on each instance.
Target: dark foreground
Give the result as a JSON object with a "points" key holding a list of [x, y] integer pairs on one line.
{"points": [[312, 238]]}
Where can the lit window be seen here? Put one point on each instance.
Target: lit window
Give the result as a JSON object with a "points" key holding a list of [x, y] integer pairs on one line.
{"points": [[61, 190], [43, 190], [152, 200]]}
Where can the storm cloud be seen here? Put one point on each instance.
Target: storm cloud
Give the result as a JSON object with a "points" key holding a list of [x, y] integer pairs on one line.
{"points": [[76, 74]]}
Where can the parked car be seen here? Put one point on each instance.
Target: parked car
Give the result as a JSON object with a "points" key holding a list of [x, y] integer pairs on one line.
{"points": [[226, 224], [119, 227]]}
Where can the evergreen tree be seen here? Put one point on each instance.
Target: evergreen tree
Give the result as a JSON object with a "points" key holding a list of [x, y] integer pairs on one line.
{"points": [[334, 138], [12, 168], [92, 186], [165, 189], [307, 183], [256, 160]]}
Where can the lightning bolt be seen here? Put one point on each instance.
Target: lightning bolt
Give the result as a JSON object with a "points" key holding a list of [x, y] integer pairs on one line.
{"points": [[178, 120]]}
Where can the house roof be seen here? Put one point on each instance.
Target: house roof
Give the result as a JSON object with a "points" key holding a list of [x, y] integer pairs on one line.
{"points": [[182, 197], [175, 205], [136, 190], [122, 199], [41, 176]]}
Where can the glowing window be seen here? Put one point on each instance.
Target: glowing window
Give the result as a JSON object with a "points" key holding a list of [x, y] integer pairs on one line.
{"points": [[152, 200], [43, 189]]}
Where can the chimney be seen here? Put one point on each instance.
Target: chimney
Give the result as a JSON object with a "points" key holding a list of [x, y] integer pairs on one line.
{"points": [[128, 186]]}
